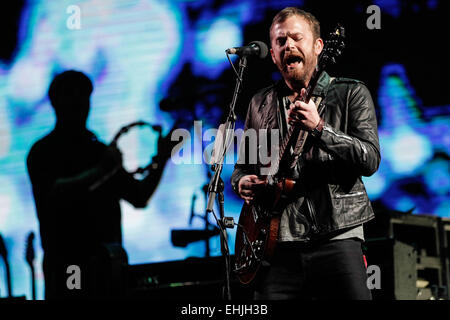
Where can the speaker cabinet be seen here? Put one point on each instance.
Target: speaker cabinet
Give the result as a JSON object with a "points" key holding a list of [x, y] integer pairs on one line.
{"points": [[396, 262], [445, 249], [425, 234]]}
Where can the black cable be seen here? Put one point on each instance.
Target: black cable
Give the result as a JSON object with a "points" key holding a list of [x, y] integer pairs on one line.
{"points": [[223, 230], [234, 69], [227, 255]]}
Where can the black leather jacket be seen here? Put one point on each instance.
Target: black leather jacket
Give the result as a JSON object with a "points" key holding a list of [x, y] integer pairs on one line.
{"points": [[334, 162]]}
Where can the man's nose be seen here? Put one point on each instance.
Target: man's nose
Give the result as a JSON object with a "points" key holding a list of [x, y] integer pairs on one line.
{"points": [[290, 44]]}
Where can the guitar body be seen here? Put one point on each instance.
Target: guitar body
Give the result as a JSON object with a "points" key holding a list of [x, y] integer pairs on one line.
{"points": [[257, 231]]}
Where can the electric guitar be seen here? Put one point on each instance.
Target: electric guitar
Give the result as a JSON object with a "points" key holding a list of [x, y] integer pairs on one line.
{"points": [[259, 221], [29, 257], [4, 255]]}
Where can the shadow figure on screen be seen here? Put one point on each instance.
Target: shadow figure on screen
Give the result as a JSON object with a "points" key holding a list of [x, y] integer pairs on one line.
{"points": [[81, 229]]}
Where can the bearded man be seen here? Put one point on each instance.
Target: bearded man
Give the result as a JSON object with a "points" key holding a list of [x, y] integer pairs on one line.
{"points": [[318, 253]]}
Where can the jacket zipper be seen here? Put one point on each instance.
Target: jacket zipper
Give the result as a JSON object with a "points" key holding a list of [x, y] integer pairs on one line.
{"points": [[326, 128], [363, 147], [359, 193], [364, 150]]}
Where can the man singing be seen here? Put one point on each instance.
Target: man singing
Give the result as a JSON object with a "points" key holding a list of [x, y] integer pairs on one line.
{"points": [[318, 253]]}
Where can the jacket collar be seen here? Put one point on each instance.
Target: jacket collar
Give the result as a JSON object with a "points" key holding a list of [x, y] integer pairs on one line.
{"points": [[280, 89], [322, 85]]}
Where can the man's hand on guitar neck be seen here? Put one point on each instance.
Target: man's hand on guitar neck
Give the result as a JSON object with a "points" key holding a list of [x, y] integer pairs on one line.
{"points": [[249, 186]]}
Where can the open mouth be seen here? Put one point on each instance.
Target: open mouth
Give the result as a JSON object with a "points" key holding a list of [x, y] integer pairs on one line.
{"points": [[292, 61]]}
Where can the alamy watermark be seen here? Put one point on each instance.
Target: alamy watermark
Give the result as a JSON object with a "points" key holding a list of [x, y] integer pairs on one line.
{"points": [[73, 22], [373, 277], [252, 146], [74, 279], [374, 20]]}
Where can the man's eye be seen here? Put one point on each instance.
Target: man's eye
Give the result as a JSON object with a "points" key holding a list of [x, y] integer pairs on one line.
{"points": [[281, 42]]}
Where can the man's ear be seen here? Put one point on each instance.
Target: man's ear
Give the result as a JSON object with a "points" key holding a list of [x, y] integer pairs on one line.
{"points": [[318, 46], [273, 56]]}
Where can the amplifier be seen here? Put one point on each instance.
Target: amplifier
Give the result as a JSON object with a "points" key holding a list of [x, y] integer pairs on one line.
{"points": [[397, 264], [425, 234]]}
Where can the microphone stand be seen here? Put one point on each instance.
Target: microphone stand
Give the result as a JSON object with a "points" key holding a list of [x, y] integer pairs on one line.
{"points": [[216, 185]]}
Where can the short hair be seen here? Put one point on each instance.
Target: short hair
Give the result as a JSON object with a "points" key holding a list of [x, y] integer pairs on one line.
{"points": [[69, 79], [288, 12]]}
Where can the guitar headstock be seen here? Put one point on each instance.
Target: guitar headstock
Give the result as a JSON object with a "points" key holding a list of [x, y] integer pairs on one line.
{"points": [[333, 47], [29, 248]]}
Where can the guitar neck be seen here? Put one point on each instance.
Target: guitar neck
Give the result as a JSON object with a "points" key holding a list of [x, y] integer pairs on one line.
{"points": [[33, 282], [8, 276], [29, 258], [294, 132]]}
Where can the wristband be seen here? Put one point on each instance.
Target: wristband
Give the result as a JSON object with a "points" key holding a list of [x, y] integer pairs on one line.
{"points": [[317, 131]]}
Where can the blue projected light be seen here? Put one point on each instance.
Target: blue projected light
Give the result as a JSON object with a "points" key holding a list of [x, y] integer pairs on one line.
{"points": [[443, 209], [375, 185], [211, 42], [410, 146], [437, 177], [403, 203], [406, 150], [222, 33], [392, 7]]}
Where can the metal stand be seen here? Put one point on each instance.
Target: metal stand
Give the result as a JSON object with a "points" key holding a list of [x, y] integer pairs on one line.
{"points": [[216, 185]]}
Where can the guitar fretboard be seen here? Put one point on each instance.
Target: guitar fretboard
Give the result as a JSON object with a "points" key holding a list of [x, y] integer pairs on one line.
{"points": [[294, 132]]}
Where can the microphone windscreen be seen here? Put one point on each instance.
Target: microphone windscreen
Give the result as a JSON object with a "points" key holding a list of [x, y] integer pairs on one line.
{"points": [[263, 49]]}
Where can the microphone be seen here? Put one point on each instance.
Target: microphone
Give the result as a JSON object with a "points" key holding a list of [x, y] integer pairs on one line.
{"points": [[255, 48]]}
